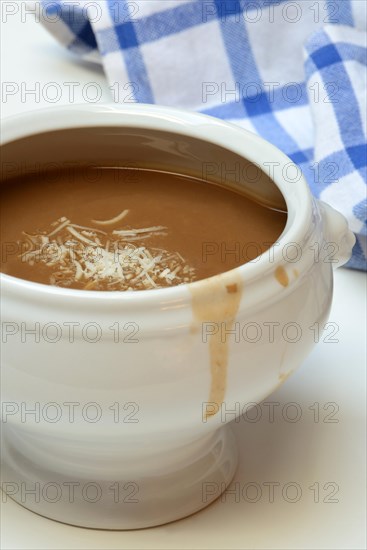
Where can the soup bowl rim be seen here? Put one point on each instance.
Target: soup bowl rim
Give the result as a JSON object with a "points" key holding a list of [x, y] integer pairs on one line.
{"points": [[300, 204]]}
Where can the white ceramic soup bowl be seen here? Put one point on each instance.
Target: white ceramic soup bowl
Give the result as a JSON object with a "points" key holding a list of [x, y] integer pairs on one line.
{"points": [[115, 405]]}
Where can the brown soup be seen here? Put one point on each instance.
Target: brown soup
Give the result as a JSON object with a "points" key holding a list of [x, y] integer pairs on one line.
{"points": [[127, 229], [129, 221]]}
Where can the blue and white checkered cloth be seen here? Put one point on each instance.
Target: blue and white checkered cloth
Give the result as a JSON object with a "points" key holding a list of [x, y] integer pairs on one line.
{"points": [[293, 72]]}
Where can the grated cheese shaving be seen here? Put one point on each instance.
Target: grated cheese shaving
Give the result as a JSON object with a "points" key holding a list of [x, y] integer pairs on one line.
{"points": [[133, 232], [59, 228], [79, 236], [114, 220]]}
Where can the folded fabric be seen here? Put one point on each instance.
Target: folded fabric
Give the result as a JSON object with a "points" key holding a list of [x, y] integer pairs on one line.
{"points": [[292, 72]]}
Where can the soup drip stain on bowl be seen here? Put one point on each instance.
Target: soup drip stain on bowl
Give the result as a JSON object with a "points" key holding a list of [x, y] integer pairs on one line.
{"points": [[282, 276], [216, 301]]}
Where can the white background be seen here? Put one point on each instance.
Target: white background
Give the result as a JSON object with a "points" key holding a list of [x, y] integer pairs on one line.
{"points": [[304, 452]]}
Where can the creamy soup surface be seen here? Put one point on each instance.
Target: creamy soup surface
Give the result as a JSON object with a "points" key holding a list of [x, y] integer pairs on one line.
{"points": [[127, 229]]}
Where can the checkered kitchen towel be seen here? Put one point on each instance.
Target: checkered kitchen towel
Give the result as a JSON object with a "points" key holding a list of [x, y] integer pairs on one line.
{"points": [[294, 72]]}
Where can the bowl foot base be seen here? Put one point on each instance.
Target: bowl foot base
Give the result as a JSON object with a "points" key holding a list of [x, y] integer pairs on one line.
{"points": [[112, 492]]}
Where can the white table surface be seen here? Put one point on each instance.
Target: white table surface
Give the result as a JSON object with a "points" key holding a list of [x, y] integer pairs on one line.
{"points": [[304, 453]]}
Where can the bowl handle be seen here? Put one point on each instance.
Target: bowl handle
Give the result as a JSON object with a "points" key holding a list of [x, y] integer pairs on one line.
{"points": [[337, 232]]}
